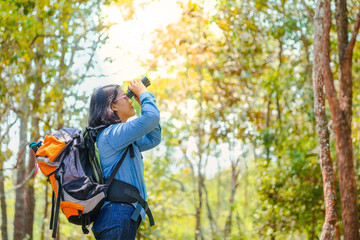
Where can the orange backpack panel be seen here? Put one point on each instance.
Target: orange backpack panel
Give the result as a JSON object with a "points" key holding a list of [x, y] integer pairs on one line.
{"points": [[51, 148]]}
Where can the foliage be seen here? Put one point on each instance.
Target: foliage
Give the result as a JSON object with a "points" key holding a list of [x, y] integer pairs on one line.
{"points": [[239, 152], [246, 75], [40, 44]]}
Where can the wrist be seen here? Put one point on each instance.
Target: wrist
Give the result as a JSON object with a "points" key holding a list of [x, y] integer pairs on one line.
{"points": [[141, 92]]}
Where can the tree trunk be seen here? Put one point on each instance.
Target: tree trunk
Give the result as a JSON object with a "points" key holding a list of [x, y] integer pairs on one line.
{"points": [[198, 229], [20, 188], [4, 233], [267, 136], [34, 136], [341, 113], [212, 221], [45, 212], [235, 171], [4, 220], [34, 132], [347, 181], [29, 200], [29, 192], [344, 148], [326, 164]]}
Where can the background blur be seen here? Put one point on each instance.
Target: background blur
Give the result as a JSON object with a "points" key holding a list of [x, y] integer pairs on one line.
{"points": [[233, 82]]}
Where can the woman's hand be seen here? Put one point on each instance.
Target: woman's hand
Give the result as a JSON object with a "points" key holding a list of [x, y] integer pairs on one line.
{"points": [[137, 87]]}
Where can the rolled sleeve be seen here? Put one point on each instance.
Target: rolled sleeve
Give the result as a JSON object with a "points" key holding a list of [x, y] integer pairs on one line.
{"points": [[122, 134], [150, 140]]}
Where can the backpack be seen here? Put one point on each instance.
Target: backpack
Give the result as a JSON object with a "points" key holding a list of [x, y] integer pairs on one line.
{"points": [[68, 157]]}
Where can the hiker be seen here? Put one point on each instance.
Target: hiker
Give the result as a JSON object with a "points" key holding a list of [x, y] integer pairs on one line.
{"points": [[109, 105]]}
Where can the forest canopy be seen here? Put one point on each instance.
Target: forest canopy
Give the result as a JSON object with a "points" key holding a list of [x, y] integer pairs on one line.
{"points": [[259, 105]]}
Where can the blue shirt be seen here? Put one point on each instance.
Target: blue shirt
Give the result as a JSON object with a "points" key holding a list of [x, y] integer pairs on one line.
{"points": [[113, 140]]}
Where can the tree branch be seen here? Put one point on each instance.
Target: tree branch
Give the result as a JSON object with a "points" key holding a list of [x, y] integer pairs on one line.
{"points": [[44, 35], [213, 223], [331, 93], [350, 47], [308, 11], [26, 179], [18, 160], [341, 27], [179, 182], [7, 130]]}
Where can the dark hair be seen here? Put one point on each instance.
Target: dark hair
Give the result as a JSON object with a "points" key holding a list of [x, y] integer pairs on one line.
{"points": [[100, 106]]}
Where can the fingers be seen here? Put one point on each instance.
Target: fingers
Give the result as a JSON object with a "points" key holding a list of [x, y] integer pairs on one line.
{"points": [[137, 87], [136, 83], [133, 84]]}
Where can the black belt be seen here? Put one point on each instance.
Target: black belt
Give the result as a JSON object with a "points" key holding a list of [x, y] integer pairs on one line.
{"points": [[123, 192]]}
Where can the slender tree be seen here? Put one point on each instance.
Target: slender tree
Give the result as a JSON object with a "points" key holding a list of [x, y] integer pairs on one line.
{"points": [[4, 220], [320, 47], [20, 172], [340, 108], [4, 232], [30, 169]]}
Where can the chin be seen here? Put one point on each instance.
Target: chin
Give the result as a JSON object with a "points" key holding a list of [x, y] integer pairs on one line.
{"points": [[132, 114]]}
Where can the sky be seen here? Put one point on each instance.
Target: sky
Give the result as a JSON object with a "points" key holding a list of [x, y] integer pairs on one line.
{"points": [[130, 41]]}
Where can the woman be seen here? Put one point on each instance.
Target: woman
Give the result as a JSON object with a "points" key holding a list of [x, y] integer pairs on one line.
{"points": [[110, 106]]}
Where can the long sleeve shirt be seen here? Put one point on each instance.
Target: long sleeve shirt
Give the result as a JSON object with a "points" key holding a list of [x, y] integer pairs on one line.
{"points": [[113, 140]]}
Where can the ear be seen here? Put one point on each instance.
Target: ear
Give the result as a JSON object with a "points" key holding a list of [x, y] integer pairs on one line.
{"points": [[113, 107]]}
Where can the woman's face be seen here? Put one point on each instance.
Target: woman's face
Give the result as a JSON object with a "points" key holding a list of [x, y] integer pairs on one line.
{"points": [[122, 106]]}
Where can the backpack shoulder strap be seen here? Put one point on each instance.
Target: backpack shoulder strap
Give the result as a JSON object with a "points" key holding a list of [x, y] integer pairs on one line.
{"points": [[93, 131], [97, 128], [90, 138], [111, 178], [117, 167]]}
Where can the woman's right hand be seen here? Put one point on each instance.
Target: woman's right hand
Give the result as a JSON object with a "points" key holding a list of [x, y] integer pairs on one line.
{"points": [[137, 87]]}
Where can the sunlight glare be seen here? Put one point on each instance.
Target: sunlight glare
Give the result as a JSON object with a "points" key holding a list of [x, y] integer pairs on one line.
{"points": [[129, 41]]}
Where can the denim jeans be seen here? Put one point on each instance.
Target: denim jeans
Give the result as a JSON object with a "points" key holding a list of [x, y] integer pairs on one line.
{"points": [[114, 222]]}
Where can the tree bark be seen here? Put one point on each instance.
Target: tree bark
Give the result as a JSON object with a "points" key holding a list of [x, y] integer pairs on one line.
{"points": [[212, 221], [267, 137], [4, 233], [235, 172], [29, 191], [198, 230], [340, 110], [20, 175], [45, 212], [329, 187], [34, 136]]}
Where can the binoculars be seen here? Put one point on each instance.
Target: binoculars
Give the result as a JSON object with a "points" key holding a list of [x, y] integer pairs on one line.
{"points": [[145, 81]]}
